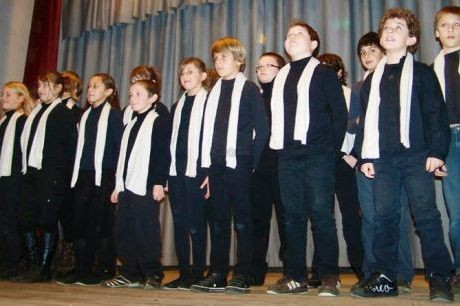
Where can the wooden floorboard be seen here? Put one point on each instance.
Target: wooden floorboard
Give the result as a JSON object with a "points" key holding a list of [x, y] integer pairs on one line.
{"points": [[54, 294]]}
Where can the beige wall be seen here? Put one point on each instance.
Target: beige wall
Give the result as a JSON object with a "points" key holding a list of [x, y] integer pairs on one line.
{"points": [[15, 20]]}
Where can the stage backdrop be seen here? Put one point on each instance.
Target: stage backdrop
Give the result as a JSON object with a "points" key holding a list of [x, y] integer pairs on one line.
{"points": [[115, 36]]}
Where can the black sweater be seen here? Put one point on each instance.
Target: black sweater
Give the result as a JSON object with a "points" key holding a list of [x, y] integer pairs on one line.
{"points": [[452, 86], [60, 139], [76, 110], [112, 142], [16, 165], [328, 112], [429, 128], [159, 153], [251, 118]]}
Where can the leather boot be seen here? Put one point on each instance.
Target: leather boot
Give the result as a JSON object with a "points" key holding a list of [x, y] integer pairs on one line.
{"points": [[43, 272], [31, 256]]}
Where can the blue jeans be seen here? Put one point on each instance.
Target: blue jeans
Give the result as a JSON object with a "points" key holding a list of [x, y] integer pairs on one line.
{"points": [[404, 266], [407, 170], [307, 190], [451, 189]]}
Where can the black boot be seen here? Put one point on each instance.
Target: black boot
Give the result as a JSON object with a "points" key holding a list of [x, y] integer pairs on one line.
{"points": [[31, 257], [43, 272]]}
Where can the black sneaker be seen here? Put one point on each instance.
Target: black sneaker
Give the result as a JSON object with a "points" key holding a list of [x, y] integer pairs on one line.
{"points": [[193, 279], [440, 289], [455, 284], [378, 286], [213, 283], [175, 283], [91, 279], [404, 287], [239, 284], [68, 279], [152, 282], [314, 283], [287, 285]]}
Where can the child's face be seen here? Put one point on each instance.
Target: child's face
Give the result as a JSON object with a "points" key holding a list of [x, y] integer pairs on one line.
{"points": [[266, 69], [191, 77], [11, 99], [298, 43], [370, 56], [395, 36], [448, 31], [97, 93], [139, 99], [226, 65], [48, 92]]}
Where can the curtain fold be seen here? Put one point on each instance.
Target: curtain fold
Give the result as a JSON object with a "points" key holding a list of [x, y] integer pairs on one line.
{"points": [[99, 15]]}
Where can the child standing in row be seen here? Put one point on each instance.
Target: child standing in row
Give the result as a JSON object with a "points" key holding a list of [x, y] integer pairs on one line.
{"points": [[141, 175], [16, 104], [186, 193], [234, 134]]}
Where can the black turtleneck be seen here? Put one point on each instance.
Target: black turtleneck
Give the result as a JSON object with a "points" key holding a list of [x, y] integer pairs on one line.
{"points": [[16, 164], [429, 127], [251, 118], [452, 86], [159, 153], [112, 141], [269, 159], [182, 136], [76, 110], [328, 112]]}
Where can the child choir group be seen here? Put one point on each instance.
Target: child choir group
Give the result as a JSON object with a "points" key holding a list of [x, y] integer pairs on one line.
{"points": [[234, 152]]}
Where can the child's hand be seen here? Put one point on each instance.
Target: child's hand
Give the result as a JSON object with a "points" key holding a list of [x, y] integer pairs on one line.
{"points": [[441, 172], [368, 170], [158, 193], [114, 197], [433, 163], [350, 160], [205, 184]]}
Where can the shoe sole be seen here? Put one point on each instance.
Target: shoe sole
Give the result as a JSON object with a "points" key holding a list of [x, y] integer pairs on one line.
{"points": [[64, 284], [86, 285], [286, 293], [372, 296], [441, 300], [328, 294], [236, 290], [196, 288], [136, 285]]}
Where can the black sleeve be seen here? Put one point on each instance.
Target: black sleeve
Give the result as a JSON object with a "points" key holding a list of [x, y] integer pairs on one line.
{"points": [[68, 134], [159, 157], [117, 127], [161, 109], [363, 99], [355, 108], [260, 122]]}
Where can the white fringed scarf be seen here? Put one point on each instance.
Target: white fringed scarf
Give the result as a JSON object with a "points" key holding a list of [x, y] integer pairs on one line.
{"points": [[439, 63], [100, 144], [36, 151], [349, 139], [302, 116], [370, 147], [138, 164], [194, 129], [210, 117], [127, 114], [6, 157]]}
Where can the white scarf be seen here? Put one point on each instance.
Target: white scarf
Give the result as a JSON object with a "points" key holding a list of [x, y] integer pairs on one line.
{"points": [[439, 63], [36, 151], [100, 144], [6, 157], [302, 116], [127, 114], [371, 124], [138, 164], [194, 129], [349, 139], [210, 117]]}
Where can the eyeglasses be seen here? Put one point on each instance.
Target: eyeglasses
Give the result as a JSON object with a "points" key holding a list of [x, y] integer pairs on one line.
{"points": [[266, 66]]}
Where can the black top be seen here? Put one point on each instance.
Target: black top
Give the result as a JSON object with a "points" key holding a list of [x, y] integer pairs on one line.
{"points": [[269, 159], [16, 165], [112, 142], [159, 153], [328, 112], [76, 110], [251, 118], [60, 139], [429, 128], [452, 86], [182, 135]]}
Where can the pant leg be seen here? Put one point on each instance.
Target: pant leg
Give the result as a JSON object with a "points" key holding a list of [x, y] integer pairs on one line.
{"points": [[279, 210], [347, 195], [451, 189], [404, 266], [240, 190], [419, 185], [178, 199]]}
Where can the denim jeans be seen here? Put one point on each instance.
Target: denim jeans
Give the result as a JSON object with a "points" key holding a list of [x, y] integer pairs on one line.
{"points": [[451, 189], [405, 270], [407, 170], [307, 189]]}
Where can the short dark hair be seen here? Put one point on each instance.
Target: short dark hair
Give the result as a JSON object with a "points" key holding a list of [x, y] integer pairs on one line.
{"points": [[368, 39], [278, 58]]}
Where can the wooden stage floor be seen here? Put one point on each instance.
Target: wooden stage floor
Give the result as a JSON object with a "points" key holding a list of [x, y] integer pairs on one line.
{"points": [[54, 294]]}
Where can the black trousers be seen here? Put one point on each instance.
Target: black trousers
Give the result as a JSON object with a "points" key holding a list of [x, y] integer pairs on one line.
{"points": [[190, 223], [66, 215], [230, 197], [93, 221], [137, 235], [265, 194], [10, 190], [42, 194]]}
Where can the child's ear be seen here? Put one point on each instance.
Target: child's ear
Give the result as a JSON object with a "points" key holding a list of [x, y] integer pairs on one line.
{"points": [[412, 40], [153, 98], [314, 45], [108, 92], [436, 34], [204, 75]]}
